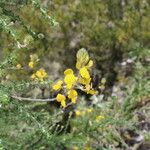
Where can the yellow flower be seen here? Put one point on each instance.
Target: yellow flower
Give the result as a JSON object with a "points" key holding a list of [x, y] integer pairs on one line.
{"points": [[18, 66], [68, 71], [41, 74], [82, 58], [84, 73], [63, 103], [88, 87], [74, 100], [70, 80], [33, 76], [72, 94], [31, 64], [89, 110], [44, 74], [60, 97], [92, 92], [78, 65], [84, 81], [98, 118], [90, 64], [78, 113], [58, 85]]}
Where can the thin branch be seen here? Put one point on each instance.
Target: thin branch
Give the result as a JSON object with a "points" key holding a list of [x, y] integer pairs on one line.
{"points": [[33, 99]]}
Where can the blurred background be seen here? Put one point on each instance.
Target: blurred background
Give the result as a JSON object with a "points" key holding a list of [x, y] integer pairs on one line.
{"points": [[113, 32], [116, 34]]}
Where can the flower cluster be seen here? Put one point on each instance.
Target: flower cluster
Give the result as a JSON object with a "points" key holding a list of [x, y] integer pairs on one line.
{"points": [[39, 75], [71, 82]]}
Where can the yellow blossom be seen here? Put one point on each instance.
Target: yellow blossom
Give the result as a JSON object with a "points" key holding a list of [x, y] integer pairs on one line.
{"points": [[72, 94], [88, 87], [33, 76], [84, 81], [31, 64], [68, 71], [58, 85], [70, 80], [82, 58], [18, 66], [74, 100], [60, 97], [63, 103], [84, 73], [41, 74], [98, 118], [78, 113], [78, 65], [90, 64], [92, 92], [89, 110]]}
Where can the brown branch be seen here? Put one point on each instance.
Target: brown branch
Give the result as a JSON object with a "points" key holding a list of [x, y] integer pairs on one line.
{"points": [[32, 99]]}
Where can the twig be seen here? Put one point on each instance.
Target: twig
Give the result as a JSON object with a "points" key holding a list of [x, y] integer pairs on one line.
{"points": [[33, 99]]}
